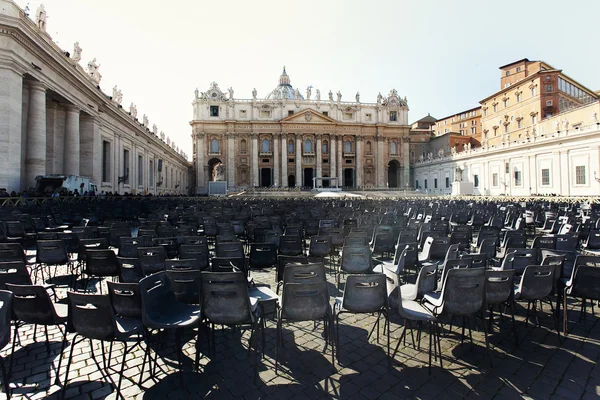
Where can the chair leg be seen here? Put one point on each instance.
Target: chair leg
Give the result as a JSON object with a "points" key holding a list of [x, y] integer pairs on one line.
{"points": [[555, 318], [125, 351], [514, 324], [337, 334], [402, 336], [439, 343], [278, 343], [430, 338], [487, 344], [565, 314], [62, 394], [60, 357]]}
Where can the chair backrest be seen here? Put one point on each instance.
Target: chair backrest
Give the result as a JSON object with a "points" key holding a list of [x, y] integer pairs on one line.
{"points": [[226, 264], [544, 242], [585, 282], [128, 246], [365, 293], [283, 260], [305, 301], [14, 272], [12, 252], [262, 255], [195, 240], [6, 299], [230, 249], [439, 247], [101, 262], [32, 304], [463, 292], [225, 298], [356, 260], [197, 252], [304, 273], [51, 252], [130, 269], [126, 299], [320, 246], [185, 281], [488, 247], [91, 315], [84, 244], [426, 280], [567, 242], [498, 286], [152, 259], [356, 240], [290, 245], [157, 297], [455, 263], [537, 282]]}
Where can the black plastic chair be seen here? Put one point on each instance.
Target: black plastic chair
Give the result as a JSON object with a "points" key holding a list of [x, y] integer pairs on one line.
{"points": [[92, 317], [12, 252], [499, 290], [130, 270], [51, 253], [364, 294], [262, 255], [585, 285], [290, 245], [128, 246], [101, 264], [225, 301], [185, 280], [196, 252], [152, 259], [305, 302]]}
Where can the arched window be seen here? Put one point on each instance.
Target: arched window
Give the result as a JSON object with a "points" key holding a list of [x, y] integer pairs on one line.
{"points": [[369, 149], [266, 146], [290, 147], [214, 146], [243, 146], [347, 147], [308, 146], [393, 148], [325, 147]]}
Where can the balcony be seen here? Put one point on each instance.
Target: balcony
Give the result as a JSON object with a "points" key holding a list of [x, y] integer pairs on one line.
{"points": [[308, 153], [351, 154], [265, 153], [214, 153]]}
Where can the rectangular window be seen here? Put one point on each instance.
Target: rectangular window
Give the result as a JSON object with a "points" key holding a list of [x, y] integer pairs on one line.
{"points": [[518, 97], [534, 119], [416, 184], [214, 111], [106, 161], [447, 182], [425, 183], [140, 167], [126, 166], [326, 113], [291, 160], [533, 92], [242, 113], [476, 180], [368, 117], [348, 161], [485, 112], [517, 178], [472, 131], [151, 173], [549, 87], [495, 107], [290, 112], [519, 123], [507, 73], [518, 69], [347, 116], [506, 128], [505, 103], [435, 183], [580, 177], [393, 116], [506, 168], [265, 113], [545, 176], [495, 180], [548, 103], [325, 161]]}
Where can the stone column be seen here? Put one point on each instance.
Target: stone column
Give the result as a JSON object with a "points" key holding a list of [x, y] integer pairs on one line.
{"points": [[406, 162], [200, 150], [230, 160], [298, 160], [275, 139], [72, 144], [319, 158], [340, 160], [254, 159], [52, 116], [332, 159], [22, 137], [359, 161], [284, 175], [379, 161], [35, 162], [90, 149]]}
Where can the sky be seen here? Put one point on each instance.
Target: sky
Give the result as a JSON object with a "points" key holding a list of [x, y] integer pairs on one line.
{"points": [[442, 55]]}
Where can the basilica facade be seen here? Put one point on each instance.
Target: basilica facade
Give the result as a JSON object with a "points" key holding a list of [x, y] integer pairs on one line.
{"points": [[287, 139]]}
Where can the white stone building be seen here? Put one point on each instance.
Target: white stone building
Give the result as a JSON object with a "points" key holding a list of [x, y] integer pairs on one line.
{"points": [[54, 119], [288, 138]]}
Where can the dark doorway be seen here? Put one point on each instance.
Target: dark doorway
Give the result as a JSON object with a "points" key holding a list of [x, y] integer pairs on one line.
{"points": [[291, 181], [325, 182], [265, 177], [308, 177], [348, 177], [393, 170]]}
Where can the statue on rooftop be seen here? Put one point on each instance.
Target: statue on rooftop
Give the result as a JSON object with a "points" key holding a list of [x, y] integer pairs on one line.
{"points": [[254, 93], [155, 130], [117, 95], [133, 110], [76, 52], [145, 121], [162, 136], [93, 71], [318, 98], [230, 90], [379, 98], [339, 96], [40, 17], [308, 92], [358, 97], [196, 93], [330, 95]]}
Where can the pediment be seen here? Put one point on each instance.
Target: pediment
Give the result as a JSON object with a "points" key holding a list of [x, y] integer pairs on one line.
{"points": [[309, 116]]}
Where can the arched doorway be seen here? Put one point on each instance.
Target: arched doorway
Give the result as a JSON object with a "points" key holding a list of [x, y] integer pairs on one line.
{"points": [[291, 181], [216, 170], [393, 174]]}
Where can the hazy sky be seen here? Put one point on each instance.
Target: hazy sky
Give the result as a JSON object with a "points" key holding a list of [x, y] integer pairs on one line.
{"points": [[442, 55]]}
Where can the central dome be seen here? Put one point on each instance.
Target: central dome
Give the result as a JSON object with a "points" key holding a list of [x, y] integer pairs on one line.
{"points": [[284, 90]]}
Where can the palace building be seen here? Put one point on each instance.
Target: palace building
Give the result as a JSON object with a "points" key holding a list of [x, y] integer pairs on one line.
{"points": [[287, 139]]}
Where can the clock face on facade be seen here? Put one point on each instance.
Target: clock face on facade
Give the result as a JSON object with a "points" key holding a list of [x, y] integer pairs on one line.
{"points": [[214, 95]]}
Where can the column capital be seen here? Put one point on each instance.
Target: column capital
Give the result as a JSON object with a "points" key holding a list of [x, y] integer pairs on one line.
{"points": [[71, 108], [253, 135], [319, 136], [359, 138], [36, 85]]}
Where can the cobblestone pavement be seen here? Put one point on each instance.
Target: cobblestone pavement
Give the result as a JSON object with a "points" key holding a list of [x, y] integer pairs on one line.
{"points": [[540, 368]]}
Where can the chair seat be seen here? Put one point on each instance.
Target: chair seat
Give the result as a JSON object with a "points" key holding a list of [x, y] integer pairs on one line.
{"points": [[62, 310], [434, 298], [127, 327], [177, 315], [416, 312], [378, 269], [263, 294]]}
